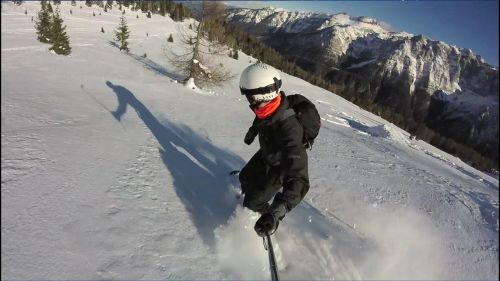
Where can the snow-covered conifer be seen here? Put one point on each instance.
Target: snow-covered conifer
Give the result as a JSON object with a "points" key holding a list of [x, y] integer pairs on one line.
{"points": [[122, 33], [58, 37], [42, 24]]}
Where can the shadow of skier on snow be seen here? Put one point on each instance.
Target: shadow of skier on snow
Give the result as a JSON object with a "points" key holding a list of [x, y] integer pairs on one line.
{"points": [[198, 168]]}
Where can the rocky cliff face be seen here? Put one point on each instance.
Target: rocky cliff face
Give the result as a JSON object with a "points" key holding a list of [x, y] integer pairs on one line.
{"points": [[450, 89]]}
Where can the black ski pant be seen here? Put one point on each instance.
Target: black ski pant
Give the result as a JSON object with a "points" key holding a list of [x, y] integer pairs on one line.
{"points": [[259, 183]]}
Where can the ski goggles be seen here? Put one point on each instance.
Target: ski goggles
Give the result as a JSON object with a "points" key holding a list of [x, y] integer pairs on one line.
{"points": [[262, 90], [254, 96]]}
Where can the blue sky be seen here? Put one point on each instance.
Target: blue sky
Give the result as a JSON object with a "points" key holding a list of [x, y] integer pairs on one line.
{"points": [[466, 24]]}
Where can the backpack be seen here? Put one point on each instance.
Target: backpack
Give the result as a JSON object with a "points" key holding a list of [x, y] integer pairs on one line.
{"points": [[308, 117]]}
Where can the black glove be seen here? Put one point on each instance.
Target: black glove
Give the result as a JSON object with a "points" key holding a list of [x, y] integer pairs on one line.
{"points": [[250, 136], [267, 223]]}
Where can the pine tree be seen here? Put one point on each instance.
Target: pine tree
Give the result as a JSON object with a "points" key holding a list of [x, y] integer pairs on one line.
{"points": [[42, 24], [181, 12], [193, 63], [137, 15], [102, 29], [122, 33], [170, 38], [235, 54], [58, 37], [143, 6], [109, 4], [190, 27], [93, 13], [149, 14], [105, 10], [25, 12], [176, 13], [163, 8], [49, 8], [123, 13]]}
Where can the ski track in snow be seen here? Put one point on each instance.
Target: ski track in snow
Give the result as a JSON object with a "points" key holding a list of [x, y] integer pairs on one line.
{"points": [[484, 211], [29, 159], [392, 133]]}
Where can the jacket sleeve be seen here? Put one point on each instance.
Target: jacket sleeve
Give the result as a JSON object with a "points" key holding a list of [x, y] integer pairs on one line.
{"points": [[253, 131], [295, 164]]}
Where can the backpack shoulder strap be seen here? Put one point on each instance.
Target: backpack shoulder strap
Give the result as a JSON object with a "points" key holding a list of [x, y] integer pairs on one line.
{"points": [[288, 113]]}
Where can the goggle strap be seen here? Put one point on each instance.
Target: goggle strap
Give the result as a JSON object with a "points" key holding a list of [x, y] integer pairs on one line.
{"points": [[262, 90]]}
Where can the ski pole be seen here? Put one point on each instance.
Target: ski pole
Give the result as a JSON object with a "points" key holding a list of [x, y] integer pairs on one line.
{"points": [[272, 261]]}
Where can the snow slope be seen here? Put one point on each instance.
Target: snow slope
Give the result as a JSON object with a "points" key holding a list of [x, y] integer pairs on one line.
{"points": [[112, 170]]}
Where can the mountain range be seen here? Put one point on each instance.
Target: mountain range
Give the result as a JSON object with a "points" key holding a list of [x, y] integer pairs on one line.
{"points": [[449, 89]]}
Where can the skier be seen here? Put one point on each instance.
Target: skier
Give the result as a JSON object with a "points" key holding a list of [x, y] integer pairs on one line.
{"points": [[281, 161]]}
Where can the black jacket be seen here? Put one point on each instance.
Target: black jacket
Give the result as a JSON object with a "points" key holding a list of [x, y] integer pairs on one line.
{"points": [[280, 138]]}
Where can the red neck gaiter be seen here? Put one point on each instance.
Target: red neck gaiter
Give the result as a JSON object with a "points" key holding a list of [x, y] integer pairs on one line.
{"points": [[268, 109]]}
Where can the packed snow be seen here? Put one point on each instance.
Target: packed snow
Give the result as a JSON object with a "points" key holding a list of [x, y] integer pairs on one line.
{"points": [[113, 170]]}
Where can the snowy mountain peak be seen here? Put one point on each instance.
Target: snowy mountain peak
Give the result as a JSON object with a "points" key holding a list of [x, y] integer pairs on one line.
{"points": [[367, 20], [281, 20]]}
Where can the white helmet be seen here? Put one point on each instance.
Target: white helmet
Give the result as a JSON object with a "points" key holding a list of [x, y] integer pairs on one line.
{"points": [[260, 82]]}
